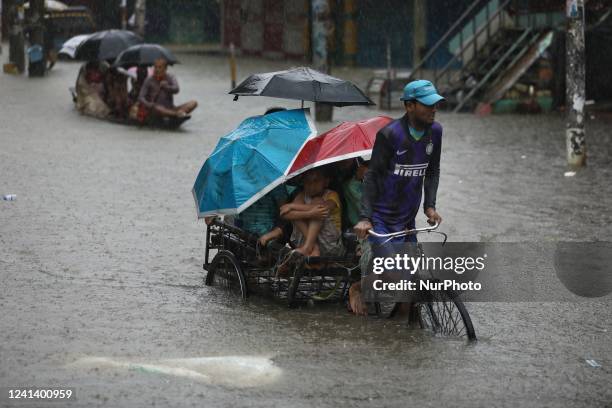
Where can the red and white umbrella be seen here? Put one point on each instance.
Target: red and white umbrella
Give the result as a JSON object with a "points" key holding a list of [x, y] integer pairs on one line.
{"points": [[345, 141]]}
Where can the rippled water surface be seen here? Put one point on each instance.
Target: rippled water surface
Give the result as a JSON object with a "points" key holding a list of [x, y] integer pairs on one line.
{"points": [[101, 253]]}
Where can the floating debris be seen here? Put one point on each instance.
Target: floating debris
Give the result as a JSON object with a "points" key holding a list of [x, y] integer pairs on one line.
{"points": [[593, 363], [232, 371]]}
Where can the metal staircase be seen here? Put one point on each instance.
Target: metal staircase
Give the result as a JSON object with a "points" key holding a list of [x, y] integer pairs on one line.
{"points": [[491, 44]]}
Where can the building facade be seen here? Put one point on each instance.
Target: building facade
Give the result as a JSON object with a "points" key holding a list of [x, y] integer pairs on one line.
{"points": [[273, 28], [184, 22], [360, 30]]}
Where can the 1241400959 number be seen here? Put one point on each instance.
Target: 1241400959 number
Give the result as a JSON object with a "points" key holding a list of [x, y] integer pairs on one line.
{"points": [[40, 393]]}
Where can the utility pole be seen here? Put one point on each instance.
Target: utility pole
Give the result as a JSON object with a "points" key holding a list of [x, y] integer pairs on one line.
{"points": [[37, 60], [140, 13], [575, 84], [389, 86], [1, 37], [419, 41], [123, 7], [16, 38], [320, 30], [232, 64], [350, 32]]}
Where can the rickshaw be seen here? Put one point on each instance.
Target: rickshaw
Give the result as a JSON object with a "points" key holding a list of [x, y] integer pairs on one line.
{"points": [[235, 263], [169, 123], [234, 177]]}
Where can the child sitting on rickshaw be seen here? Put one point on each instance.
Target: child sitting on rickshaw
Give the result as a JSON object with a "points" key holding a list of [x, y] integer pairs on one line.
{"points": [[262, 216], [316, 215], [351, 193]]}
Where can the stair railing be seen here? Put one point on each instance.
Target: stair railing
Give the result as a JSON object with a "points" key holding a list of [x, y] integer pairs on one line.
{"points": [[458, 56], [468, 17], [495, 68], [442, 41]]}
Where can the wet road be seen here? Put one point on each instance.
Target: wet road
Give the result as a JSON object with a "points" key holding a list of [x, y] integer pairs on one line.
{"points": [[101, 253]]}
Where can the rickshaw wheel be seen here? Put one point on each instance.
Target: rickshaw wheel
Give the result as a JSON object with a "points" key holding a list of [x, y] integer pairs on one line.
{"points": [[225, 272], [444, 313], [294, 285]]}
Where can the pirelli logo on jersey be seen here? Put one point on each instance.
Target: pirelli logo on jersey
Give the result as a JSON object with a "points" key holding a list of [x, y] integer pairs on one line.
{"points": [[410, 170]]}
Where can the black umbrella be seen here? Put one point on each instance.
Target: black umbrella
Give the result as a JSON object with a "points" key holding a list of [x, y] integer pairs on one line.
{"points": [[303, 84], [144, 54], [106, 45]]}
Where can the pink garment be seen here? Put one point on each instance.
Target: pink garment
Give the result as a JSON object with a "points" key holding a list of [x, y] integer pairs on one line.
{"points": [[133, 72]]}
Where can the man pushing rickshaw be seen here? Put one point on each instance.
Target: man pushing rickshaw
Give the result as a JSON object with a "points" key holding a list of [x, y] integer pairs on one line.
{"points": [[321, 258]]}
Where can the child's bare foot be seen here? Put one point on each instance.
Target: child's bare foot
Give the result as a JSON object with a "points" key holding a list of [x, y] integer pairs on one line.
{"points": [[303, 251], [315, 251]]}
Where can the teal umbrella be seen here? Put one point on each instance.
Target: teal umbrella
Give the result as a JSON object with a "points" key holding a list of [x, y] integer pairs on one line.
{"points": [[250, 161]]}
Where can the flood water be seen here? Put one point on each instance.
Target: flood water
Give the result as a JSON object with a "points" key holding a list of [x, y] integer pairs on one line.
{"points": [[101, 279]]}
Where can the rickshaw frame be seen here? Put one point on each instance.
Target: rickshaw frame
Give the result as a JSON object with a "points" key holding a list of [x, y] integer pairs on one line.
{"points": [[255, 268], [240, 266]]}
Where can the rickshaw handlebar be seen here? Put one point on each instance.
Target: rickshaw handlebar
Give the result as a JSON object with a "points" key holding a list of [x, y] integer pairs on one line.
{"points": [[404, 232]]}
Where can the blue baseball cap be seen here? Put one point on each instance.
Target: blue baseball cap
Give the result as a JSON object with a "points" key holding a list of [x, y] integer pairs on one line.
{"points": [[422, 91]]}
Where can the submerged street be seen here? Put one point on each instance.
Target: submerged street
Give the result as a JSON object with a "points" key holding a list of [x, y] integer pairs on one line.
{"points": [[101, 257]]}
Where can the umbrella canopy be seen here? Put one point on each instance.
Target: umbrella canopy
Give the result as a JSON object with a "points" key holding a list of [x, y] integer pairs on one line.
{"points": [[345, 141], [304, 84], [106, 45], [51, 5], [70, 46], [144, 54], [250, 161]]}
